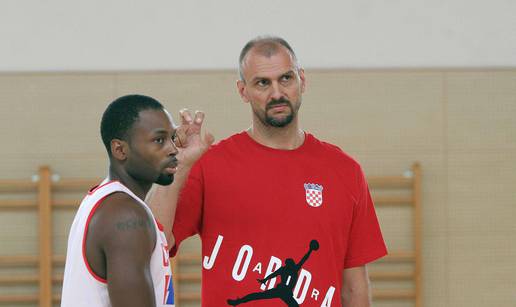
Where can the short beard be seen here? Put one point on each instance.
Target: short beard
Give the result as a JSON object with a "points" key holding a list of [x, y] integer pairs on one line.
{"points": [[279, 123], [165, 179]]}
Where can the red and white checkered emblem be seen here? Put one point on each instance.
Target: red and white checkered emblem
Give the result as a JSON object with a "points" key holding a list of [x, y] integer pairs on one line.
{"points": [[313, 193]]}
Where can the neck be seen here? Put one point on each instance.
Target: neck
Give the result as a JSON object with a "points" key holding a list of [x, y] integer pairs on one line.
{"points": [[287, 138], [140, 189]]}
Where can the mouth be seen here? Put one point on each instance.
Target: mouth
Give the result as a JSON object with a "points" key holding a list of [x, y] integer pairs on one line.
{"points": [[171, 168], [278, 105]]}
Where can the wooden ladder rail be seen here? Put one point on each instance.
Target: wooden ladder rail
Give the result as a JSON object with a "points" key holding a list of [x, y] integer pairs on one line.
{"points": [[413, 256], [43, 261]]}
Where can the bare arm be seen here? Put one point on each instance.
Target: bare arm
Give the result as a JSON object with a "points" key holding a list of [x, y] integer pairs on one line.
{"points": [[121, 240], [191, 145], [356, 290]]}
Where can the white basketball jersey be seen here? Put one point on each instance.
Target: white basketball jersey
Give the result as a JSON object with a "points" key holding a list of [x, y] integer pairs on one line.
{"points": [[81, 286]]}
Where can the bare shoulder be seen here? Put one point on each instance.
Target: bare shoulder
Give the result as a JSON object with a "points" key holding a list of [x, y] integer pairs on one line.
{"points": [[119, 218]]}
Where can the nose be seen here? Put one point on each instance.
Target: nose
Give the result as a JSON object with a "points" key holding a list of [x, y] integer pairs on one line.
{"points": [[171, 148], [276, 93]]}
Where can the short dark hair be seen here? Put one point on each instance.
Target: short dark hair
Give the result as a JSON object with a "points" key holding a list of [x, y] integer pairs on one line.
{"points": [[121, 114], [268, 45]]}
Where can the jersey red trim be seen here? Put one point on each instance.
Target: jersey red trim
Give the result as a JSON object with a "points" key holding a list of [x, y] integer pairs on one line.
{"points": [[97, 204], [160, 227], [95, 188]]}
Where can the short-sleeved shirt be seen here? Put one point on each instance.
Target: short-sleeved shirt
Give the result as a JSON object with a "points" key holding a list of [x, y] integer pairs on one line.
{"points": [[254, 207]]}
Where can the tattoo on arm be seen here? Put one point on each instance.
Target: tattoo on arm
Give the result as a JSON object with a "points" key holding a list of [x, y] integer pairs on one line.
{"points": [[134, 223]]}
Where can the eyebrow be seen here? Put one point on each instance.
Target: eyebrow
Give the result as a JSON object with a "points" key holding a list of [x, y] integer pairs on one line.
{"points": [[161, 131], [290, 72]]}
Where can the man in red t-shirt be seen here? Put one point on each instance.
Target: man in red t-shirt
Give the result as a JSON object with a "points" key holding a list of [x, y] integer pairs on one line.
{"points": [[259, 198]]}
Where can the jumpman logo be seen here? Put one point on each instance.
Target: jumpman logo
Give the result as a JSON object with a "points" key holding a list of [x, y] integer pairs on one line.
{"points": [[288, 273]]}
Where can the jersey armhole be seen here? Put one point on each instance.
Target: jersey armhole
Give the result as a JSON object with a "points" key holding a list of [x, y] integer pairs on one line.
{"points": [[85, 235]]}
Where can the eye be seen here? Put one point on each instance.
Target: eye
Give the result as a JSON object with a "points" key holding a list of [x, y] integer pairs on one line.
{"points": [[159, 140], [262, 82], [286, 78], [174, 137]]}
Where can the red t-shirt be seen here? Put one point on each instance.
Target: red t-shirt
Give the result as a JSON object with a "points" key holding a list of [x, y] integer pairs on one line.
{"points": [[254, 207]]}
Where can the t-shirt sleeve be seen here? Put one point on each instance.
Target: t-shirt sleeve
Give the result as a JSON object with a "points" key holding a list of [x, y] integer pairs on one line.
{"points": [[366, 242], [188, 216]]}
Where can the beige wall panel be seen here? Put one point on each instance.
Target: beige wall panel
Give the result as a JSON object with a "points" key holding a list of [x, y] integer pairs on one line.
{"points": [[81, 166], [435, 256], [376, 111], [62, 219], [212, 92], [482, 270], [482, 197], [393, 303], [50, 115], [54, 111], [396, 227], [436, 263], [435, 210], [481, 111], [481, 226], [65, 165], [22, 165], [435, 215], [19, 290], [19, 232], [190, 244]]}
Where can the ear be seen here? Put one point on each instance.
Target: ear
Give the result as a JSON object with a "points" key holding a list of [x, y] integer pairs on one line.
{"points": [[241, 87], [302, 79], [119, 149]]}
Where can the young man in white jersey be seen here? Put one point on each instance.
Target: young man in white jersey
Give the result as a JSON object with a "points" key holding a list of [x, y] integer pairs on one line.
{"points": [[117, 252]]}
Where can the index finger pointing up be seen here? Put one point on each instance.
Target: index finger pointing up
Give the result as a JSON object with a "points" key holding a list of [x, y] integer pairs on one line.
{"points": [[186, 117], [199, 117]]}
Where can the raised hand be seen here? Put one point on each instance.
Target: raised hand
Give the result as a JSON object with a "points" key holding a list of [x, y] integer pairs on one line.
{"points": [[189, 141]]}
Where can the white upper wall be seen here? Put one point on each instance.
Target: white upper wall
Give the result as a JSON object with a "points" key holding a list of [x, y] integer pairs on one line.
{"points": [[64, 35]]}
